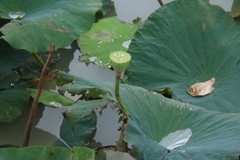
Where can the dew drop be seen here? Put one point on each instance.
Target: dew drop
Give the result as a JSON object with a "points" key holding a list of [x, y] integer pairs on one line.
{"points": [[126, 44], [92, 59], [17, 14], [55, 104]]}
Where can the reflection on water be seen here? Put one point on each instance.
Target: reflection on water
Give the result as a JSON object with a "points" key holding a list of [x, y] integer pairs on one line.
{"points": [[128, 10], [13, 132]]}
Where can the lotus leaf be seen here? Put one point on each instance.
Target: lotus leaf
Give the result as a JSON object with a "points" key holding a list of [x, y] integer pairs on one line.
{"points": [[46, 153], [214, 135], [11, 58], [12, 101], [83, 131], [106, 36], [187, 42], [82, 109], [8, 79], [37, 24], [51, 99]]}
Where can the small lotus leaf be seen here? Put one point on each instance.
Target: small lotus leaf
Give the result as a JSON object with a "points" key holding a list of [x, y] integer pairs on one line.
{"points": [[106, 36], [51, 99]]}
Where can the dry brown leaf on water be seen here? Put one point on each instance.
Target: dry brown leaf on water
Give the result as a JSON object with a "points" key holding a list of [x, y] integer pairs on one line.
{"points": [[201, 89]]}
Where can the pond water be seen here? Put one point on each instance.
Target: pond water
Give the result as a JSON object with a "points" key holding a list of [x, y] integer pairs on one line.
{"points": [[48, 120]]}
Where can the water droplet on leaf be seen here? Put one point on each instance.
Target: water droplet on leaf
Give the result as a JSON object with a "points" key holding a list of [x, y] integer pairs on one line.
{"points": [[126, 44], [55, 104], [17, 14]]}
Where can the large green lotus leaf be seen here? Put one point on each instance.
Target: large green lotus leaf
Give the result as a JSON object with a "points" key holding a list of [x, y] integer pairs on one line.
{"points": [[51, 99], [83, 131], [214, 135], [12, 101], [46, 153], [180, 44], [106, 36], [11, 58], [46, 22]]}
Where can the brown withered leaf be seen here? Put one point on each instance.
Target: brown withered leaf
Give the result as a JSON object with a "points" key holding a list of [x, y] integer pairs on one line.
{"points": [[201, 89]]}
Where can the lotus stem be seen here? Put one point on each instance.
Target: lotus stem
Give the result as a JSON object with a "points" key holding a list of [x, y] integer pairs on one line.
{"points": [[38, 58], [117, 95], [121, 145], [36, 98]]}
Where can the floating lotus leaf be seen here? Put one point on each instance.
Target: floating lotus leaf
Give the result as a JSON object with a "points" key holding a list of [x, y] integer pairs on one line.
{"points": [[51, 99], [106, 36], [46, 153], [12, 101], [83, 131], [187, 42], [82, 109], [11, 58], [214, 135], [37, 24]]}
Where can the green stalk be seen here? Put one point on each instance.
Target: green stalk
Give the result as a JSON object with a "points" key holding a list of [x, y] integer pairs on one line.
{"points": [[122, 105], [39, 59], [121, 145]]}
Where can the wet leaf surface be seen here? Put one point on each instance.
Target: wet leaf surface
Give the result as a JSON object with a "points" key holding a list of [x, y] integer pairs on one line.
{"points": [[215, 135], [12, 101], [106, 36], [180, 45], [83, 131], [51, 99], [57, 22], [11, 58]]}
